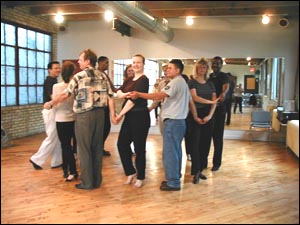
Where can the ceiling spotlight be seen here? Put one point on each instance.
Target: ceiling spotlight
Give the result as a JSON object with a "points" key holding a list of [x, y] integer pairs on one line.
{"points": [[189, 20], [59, 18], [265, 19], [108, 15]]}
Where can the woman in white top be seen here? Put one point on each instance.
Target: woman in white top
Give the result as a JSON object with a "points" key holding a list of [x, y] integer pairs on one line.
{"points": [[65, 121]]}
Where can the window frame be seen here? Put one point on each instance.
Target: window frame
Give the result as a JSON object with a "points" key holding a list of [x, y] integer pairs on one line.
{"points": [[33, 85]]}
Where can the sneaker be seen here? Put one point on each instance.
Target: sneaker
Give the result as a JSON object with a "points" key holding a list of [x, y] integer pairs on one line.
{"points": [[165, 187]]}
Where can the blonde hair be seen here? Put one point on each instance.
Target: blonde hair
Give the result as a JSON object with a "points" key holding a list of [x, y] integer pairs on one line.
{"points": [[201, 62]]}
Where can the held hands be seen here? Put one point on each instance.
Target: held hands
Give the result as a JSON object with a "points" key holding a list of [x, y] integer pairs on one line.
{"points": [[47, 105], [119, 118], [133, 95]]}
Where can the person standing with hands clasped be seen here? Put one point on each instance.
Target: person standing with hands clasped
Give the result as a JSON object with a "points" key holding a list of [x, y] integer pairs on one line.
{"points": [[136, 124], [92, 93], [204, 96], [177, 100], [221, 82]]}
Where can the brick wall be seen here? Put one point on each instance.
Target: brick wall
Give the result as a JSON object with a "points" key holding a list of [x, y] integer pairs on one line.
{"points": [[21, 121]]}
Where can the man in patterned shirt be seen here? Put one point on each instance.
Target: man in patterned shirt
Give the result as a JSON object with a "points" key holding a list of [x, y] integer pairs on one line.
{"points": [[92, 93]]}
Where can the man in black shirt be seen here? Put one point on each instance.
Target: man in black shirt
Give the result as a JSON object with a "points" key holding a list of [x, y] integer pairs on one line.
{"points": [[221, 82]]}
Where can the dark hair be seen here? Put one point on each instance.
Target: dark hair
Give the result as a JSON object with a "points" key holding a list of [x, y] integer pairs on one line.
{"points": [[185, 77], [102, 58], [68, 69], [50, 64], [178, 64], [90, 55], [218, 58], [125, 75]]}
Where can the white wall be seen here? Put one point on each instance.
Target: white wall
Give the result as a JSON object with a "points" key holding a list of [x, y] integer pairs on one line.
{"points": [[231, 40]]}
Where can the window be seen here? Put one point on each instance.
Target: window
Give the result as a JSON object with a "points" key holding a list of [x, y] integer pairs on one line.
{"points": [[25, 55]]}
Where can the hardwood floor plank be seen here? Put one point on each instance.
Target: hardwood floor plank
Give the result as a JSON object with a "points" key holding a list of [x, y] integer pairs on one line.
{"points": [[257, 183]]}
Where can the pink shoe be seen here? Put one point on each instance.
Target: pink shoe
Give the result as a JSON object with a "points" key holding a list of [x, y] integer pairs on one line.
{"points": [[130, 179], [138, 183]]}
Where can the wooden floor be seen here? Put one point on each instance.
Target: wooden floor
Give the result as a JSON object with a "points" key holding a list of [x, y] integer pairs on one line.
{"points": [[257, 183]]}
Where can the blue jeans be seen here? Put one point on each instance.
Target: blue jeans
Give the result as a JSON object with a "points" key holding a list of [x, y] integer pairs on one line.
{"points": [[173, 133]]}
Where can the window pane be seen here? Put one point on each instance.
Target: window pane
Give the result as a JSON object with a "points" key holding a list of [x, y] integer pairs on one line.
{"points": [[32, 95], [23, 96], [31, 76], [10, 75], [47, 43], [11, 96], [3, 96], [40, 59], [31, 39], [31, 58], [40, 76], [47, 60], [23, 76], [39, 94], [2, 34], [22, 37], [3, 82], [10, 35], [22, 57], [2, 54], [10, 56], [40, 41]]}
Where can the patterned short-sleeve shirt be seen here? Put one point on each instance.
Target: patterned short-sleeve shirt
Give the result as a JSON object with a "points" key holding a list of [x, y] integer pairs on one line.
{"points": [[91, 89]]}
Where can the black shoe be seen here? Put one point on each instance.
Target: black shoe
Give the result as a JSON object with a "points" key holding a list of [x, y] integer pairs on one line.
{"points": [[215, 168], [163, 182], [54, 167], [196, 179], [165, 187], [80, 186], [35, 166], [202, 176], [106, 153]]}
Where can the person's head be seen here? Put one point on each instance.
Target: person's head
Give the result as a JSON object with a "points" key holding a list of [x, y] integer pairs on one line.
{"points": [[103, 63], [217, 64], [201, 67], [87, 58], [128, 72], [67, 72], [138, 63], [54, 69], [164, 68], [175, 68]]}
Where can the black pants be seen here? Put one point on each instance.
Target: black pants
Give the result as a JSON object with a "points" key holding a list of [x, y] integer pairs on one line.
{"points": [[228, 111], [134, 129], [66, 132], [107, 124], [201, 140], [218, 133], [238, 101]]}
